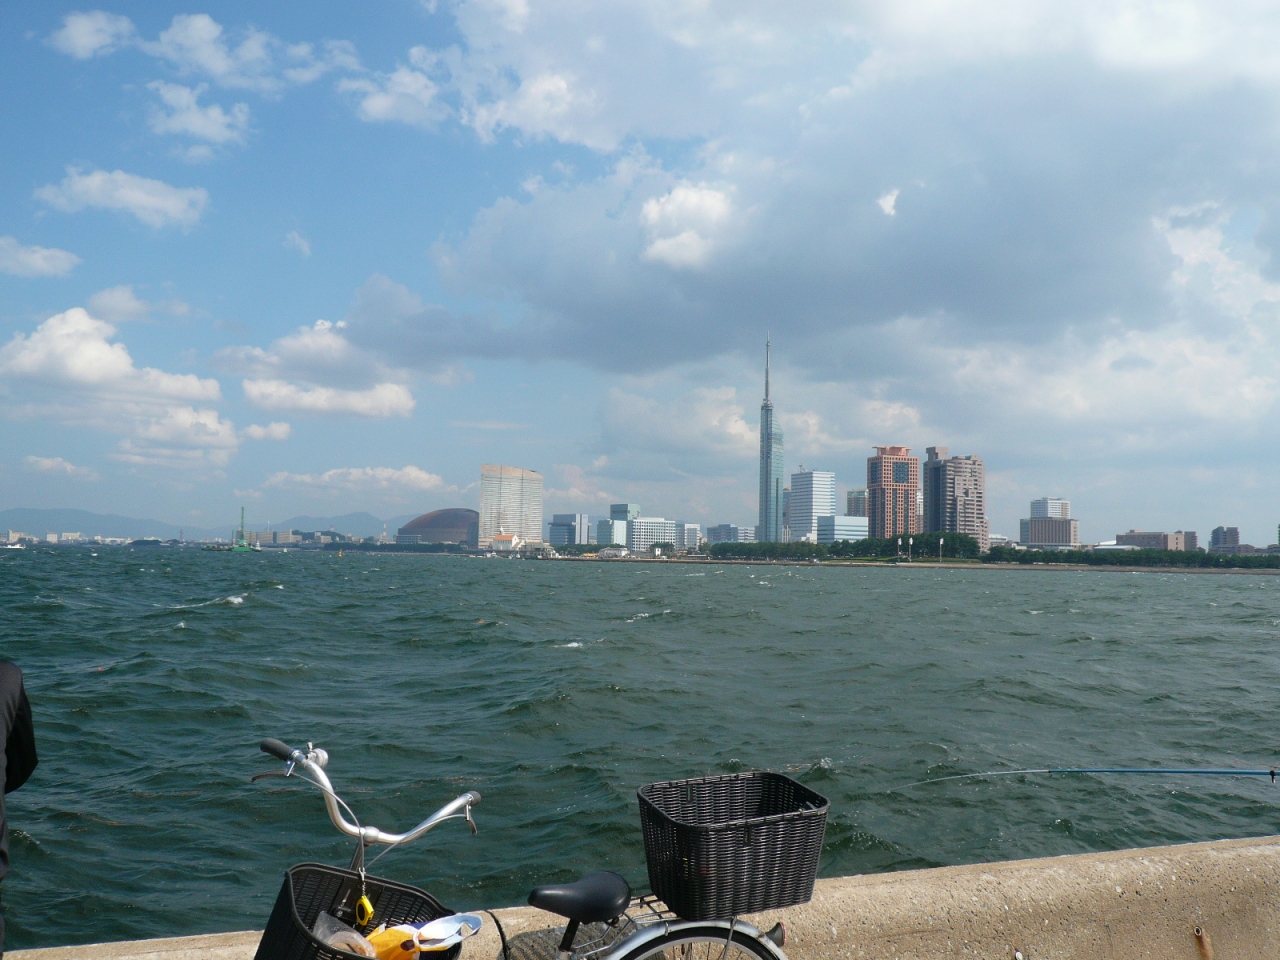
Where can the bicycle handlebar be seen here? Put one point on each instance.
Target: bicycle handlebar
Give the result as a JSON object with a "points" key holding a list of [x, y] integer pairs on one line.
{"points": [[278, 749], [313, 761]]}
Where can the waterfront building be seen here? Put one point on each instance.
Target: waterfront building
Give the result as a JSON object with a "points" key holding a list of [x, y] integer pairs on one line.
{"points": [[611, 533], [728, 533], [689, 536], [644, 532], [505, 543], [1190, 540], [813, 495], [1149, 540], [893, 486], [569, 528], [613, 552], [451, 525], [1224, 540], [770, 527], [855, 503], [511, 503], [1051, 507], [833, 528], [955, 495], [1050, 526], [624, 511]]}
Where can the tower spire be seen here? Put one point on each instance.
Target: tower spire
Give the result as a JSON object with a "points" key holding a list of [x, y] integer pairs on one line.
{"points": [[767, 345]]}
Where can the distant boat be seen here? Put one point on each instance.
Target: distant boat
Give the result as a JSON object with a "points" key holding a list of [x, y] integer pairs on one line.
{"points": [[15, 546]]}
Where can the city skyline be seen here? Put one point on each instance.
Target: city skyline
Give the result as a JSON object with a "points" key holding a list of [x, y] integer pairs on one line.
{"points": [[330, 263]]}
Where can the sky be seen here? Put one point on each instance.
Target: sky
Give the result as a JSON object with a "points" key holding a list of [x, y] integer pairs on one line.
{"points": [[327, 257]]}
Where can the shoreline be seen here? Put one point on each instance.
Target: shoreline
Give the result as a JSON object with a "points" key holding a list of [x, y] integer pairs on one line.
{"points": [[945, 565]]}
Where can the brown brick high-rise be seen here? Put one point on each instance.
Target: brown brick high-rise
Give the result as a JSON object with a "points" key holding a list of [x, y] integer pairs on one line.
{"points": [[893, 483]]}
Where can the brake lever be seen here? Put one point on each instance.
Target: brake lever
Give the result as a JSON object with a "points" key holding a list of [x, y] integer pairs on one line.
{"points": [[470, 822]]}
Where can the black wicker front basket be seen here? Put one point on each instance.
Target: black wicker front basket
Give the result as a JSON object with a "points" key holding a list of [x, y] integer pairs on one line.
{"points": [[312, 888], [721, 847]]}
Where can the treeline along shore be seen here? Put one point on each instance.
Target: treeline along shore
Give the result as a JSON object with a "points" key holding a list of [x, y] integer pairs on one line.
{"points": [[958, 546]]}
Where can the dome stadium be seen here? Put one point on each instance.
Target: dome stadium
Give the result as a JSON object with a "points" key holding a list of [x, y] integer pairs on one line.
{"points": [[454, 525]]}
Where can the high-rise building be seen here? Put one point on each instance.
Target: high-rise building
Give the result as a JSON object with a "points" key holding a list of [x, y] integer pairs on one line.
{"points": [[1152, 540], [569, 528], [611, 533], [955, 495], [893, 482], [813, 495], [510, 503], [833, 528], [855, 503], [1050, 526], [644, 532], [728, 533], [688, 536], [1190, 540], [1051, 507], [624, 511], [1224, 540], [770, 528]]}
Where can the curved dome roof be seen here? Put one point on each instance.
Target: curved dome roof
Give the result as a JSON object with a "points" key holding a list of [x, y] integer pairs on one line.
{"points": [[452, 525]]}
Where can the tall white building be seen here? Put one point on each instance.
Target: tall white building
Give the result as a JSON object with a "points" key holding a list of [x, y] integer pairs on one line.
{"points": [[1051, 507], [644, 532], [813, 495], [510, 502], [690, 536]]}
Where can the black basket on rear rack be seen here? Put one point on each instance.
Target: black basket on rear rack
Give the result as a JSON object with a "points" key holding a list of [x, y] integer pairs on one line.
{"points": [[312, 888], [721, 847]]}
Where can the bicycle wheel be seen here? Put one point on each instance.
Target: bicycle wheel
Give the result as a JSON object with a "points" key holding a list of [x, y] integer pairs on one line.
{"points": [[701, 943]]}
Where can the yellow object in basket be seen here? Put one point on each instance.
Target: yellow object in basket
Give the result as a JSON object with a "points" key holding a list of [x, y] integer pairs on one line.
{"points": [[395, 943]]}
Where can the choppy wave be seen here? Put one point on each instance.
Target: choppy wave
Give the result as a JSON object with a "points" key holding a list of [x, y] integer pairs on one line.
{"points": [[557, 689]]}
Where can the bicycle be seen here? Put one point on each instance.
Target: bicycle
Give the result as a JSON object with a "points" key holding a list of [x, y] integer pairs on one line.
{"points": [[620, 926]]}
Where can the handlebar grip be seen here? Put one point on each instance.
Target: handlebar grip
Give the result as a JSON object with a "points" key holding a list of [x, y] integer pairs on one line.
{"points": [[276, 748]]}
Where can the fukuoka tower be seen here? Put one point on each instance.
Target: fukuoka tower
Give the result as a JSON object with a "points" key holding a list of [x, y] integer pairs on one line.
{"points": [[770, 526]]}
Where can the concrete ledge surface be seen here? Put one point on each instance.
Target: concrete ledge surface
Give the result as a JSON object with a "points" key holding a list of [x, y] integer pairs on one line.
{"points": [[1127, 904]]}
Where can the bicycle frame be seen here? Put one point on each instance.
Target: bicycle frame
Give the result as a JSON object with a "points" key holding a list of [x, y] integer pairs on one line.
{"points": [[645, 920]]}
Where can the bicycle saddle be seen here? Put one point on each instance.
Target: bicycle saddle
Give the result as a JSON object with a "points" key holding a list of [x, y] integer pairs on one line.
{"points": [[595, 898]]}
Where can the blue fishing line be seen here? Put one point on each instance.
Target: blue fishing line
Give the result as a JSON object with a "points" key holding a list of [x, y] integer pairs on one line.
{"points": [[1174, 771]]}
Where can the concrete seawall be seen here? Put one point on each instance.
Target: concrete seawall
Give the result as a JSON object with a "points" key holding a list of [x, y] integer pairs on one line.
{"points": [[1129, 904]]}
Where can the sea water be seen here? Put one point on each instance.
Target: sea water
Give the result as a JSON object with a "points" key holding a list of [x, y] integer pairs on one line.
{"points": [[557, 689]]}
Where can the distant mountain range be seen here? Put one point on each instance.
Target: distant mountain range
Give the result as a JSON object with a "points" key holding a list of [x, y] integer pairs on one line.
{"points": [[39, 522]]}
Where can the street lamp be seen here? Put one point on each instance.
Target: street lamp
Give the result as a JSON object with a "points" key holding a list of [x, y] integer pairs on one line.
{"points": [[899, 548], [939, 549], [910, 541]]}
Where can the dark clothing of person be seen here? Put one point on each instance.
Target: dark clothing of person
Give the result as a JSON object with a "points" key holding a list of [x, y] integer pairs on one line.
{"points": [[17, 737]]}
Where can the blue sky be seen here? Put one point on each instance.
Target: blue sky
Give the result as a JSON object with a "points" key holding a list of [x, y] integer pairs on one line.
{"points": [[332, 257]]}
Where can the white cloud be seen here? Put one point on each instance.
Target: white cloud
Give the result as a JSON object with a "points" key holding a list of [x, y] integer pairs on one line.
{"points": [[683, 224], [272, 431], [197, 44], [86, 35], [408, 478], [73, 350], [154, 202], [298, 242], [69, 371], [119, 305], [318, 370], [19, 261], [59, 467], [383, 400], [888, 202], [181, 113], [404, 96]]}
